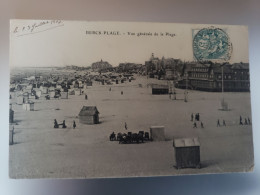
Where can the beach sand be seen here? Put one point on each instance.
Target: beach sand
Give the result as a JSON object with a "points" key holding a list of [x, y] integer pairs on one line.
{"points": [[40, 151]]}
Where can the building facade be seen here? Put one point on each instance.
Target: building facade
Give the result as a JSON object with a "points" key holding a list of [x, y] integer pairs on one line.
{"points": [[101, 65], [208, 77]]}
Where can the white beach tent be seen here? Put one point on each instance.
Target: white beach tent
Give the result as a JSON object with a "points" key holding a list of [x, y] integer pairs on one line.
{"points": [[157, 133]]}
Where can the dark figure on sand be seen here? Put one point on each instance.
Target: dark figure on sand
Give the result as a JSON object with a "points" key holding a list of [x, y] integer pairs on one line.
{"points": [[56, 124], [240, 121], [201, 125], [194, 125], [74, 124], [224, 123], [246, 122], [218, 123], [63, 125]]}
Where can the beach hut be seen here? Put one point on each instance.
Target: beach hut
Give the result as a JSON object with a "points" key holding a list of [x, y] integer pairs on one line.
{"points": [[38, 93], [44, 90], [25, 97], [77, 92], [157, 133], [89, 83], [71, 92], [28, 106], [89, 115], [63, 95], [160, 89], [58, 87], [52, 94], [169, 74], [11, 115], [19, 99], [80, 84], [11, 135], [187, 152]]}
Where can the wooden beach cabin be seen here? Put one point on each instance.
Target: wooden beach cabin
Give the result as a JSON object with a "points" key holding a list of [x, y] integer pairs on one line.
{"points": [[187, 152], [89, 115], [160, 89]]}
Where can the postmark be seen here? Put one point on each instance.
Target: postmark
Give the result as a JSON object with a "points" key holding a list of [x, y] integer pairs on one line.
{"points": [[212, 44]]}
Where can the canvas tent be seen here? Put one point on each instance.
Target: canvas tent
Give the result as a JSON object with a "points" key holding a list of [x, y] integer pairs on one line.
{"points": [[157, 133], [64, 95], [89, 115], [19, 99], [28, 106], [187, 152]]}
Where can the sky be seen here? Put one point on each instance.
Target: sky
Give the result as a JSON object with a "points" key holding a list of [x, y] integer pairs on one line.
{"points": [[45, 43]]}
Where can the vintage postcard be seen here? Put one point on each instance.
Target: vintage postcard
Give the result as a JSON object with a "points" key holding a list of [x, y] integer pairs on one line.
{"points": [[117, 99]]}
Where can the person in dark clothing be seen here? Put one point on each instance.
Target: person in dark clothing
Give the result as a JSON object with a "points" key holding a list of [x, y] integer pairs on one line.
{"points": [[224, 123], [56, 124], [198, 116], [218, 123], [191, 117], [240, 121], [194, 125], [64, 125], [74, 124], [246, 122]]}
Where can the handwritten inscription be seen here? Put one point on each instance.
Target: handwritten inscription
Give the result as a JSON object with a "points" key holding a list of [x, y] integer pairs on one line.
{"points": [[36, 27], [138, 34]]}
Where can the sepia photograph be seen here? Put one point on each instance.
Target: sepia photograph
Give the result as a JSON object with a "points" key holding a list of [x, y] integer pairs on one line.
{"points": [[128, 99]]}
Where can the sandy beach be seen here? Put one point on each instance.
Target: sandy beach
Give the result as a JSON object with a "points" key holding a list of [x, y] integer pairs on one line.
{"points": [[40, 151]]}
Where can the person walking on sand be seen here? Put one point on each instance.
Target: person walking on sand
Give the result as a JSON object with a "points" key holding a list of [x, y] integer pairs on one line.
{"points": [[201, 125], [240, 121], [194, 125], [246, 122], [224, 123], [218, 123], [74, 124], [64, 125], [191, 119], [125, 126], [56, 124]]}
